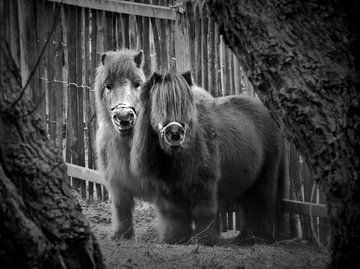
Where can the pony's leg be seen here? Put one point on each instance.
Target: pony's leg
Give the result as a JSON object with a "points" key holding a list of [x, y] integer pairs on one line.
{"points": [[175, 222], [259, 205], [122, 205], [204, 216]]}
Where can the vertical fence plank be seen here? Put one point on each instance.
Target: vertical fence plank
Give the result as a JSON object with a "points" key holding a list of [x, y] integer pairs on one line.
{"points": [[140, 27], [146, 46], [125, 30], [227, 86], [72, 94], [237, 75], [87, 66], [119, 33], [107, 25], [79, 124], [163, 47], [308, 185], [217, 61], [231, 71], [191, 29], [182, 50], [170, 32], [222, 65], [198, 45], [212, 58], [11, 13], [50, 71], [157, 41], [324, 229], [295, 187], [58, 77], [132, 32], [28, 37], [204, 41], [95, 60]]}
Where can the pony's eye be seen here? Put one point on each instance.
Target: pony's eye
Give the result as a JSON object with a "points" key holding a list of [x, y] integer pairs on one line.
{"points": [[108, 87], [137, 84]]}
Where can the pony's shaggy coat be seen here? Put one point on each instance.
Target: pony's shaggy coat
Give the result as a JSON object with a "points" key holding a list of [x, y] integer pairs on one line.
{"points": [[117, 82], [232, 153]]}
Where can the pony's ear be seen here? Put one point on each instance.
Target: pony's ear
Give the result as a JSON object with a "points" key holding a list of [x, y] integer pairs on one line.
{"points": [[146, 88], [187, 76], [155, 77], [139, 59], [103, 58]]}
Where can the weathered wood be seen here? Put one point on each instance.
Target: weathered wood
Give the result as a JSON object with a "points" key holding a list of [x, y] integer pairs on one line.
{"points": [[222, 65], [308, 185], [198, 31], [303, 208], [125, 7], [29, 53], [190, 15], [170, 33], [204, 49], [157, 42], [226, 73], [86, 69], [237, 76], [125, 30], [47, 21], [182, 50], [108, 31], [58, 76], [212, 68], [146, 46], [85, 173], [217, 61], [295, 188], [79, 102]]}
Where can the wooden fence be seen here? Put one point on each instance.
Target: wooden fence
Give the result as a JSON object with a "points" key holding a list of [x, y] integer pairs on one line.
{"points": [[68, 37]]}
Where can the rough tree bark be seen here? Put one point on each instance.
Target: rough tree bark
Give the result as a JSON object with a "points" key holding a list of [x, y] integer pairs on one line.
{"points": [[303, 61], [41, 225]]}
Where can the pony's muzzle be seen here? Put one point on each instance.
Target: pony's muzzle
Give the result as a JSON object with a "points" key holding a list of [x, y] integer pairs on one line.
{"points": [[123, 117], [173, 134]]}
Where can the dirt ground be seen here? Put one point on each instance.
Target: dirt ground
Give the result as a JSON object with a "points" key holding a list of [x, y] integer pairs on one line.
{"points": [[145, 251]]}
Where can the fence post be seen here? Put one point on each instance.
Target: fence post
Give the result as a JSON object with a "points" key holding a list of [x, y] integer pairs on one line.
{"points": [[182, 50]]}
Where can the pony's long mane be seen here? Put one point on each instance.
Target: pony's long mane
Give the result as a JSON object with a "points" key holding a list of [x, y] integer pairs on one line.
{"points": [[171, 99], [164, 98]]}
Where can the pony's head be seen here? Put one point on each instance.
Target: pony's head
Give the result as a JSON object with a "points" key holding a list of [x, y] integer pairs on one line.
{"points": [[118, 79], [170, 101]]}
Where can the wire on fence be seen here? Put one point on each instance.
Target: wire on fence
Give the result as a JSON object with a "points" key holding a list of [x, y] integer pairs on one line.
{"points": [[68, 83]]}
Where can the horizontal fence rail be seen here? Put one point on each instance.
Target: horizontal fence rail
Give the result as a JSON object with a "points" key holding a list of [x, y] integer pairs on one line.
{"points": [[124, 7], [85, 173], [289, 206]]}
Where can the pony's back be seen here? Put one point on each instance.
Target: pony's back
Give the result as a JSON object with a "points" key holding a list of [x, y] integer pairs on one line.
{"points": [[249, 142]]}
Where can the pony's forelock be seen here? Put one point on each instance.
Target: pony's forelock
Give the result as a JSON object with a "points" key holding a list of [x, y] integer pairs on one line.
{"points": [[171, 100]]}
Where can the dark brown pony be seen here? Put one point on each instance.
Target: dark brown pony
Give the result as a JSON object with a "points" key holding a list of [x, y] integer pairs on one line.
{"points": [[201, 153], [117, 86]]}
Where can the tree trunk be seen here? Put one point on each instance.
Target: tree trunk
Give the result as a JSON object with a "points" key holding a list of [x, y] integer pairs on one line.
{"points": [[303, 60], [41, 225]]}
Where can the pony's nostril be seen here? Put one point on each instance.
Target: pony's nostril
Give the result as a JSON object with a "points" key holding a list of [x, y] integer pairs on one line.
{"points": [[175, 137]]}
